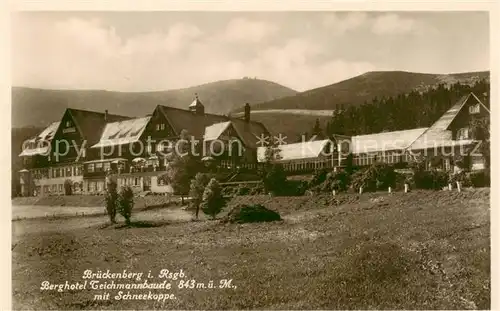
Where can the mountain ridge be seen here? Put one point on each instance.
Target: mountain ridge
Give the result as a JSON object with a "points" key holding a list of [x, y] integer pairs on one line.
{"points": [[365, 87], [38, 107]]}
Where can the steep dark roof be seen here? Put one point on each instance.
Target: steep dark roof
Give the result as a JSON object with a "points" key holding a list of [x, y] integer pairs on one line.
{"points": [[195, 124], [438, 133], [92, 123]]}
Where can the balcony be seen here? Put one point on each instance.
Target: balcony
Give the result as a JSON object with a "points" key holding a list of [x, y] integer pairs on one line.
{"points": [[127, 169]]}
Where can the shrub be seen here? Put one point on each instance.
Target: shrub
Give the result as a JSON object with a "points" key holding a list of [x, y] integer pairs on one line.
{"points": [[257, 189], [68, 187], [462, 177], [243, 190], [213, 202], [402, 179], [318, 178], [251, 213], [432, 179], [480, 178], [275, 179], [196, 189], [295, 188], [111, 199], [378, 176], [126, 203], [338, 181]]}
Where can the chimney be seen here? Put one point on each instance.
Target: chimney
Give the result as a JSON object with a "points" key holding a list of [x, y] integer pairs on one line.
{"points": [[106, 115], [247, 112]]}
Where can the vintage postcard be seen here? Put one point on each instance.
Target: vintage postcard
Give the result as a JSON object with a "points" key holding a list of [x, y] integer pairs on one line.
{"points": [[250, 159]]}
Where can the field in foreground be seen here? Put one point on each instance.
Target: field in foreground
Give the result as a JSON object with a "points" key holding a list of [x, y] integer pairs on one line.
{"points": [[422, 250]]}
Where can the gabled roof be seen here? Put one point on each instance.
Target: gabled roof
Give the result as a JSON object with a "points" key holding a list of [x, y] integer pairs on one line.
{"points": [[438, 134], [195, 124], [41, 141], [249, 132], [122, 132], [92, 123], [385, 141], [214, 131], [297, 151]]}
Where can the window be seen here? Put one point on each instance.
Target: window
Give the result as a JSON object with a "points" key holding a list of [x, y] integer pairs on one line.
{"points": [[92, 186], [60, 188], [107, 166], [69, 171], [68, 123], [463, 133], [157, 127], [162, 126], [90, 168], [98, 167], [78, 170], [474, 109], [136, 181]]}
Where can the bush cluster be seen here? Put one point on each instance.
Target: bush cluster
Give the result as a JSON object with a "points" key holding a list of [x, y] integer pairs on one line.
{"points": [[275, 179], [243, 189], [121, 202], [432, 179], [480, 178], [212, 200], [378, 176], [251, 213], [338, 181]]}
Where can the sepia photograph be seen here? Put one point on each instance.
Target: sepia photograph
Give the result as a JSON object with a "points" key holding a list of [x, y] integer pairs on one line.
{"points": [[201, 160]]}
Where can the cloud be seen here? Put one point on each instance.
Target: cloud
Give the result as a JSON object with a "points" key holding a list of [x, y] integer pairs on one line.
{"points": [[341, 23], [394, 24], [295, 64], [245, 30], [383, 24], [81, 53], [178, 37]]}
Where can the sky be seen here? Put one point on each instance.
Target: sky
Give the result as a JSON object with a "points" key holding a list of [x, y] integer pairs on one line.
{"points": [[145, 51]]}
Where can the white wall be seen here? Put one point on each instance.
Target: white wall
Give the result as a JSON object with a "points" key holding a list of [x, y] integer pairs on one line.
{"points": [[160, 189]]}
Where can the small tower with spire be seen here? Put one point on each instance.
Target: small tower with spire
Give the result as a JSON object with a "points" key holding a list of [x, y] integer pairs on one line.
{"points": [[196, 106]]}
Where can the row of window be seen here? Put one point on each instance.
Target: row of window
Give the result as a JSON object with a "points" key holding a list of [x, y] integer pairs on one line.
{"points": [[59, 188], [96, 186], [160, 127], [57, 172], [98, 167], [391, 158], [53, 188], [474, 109], [129, 181]]}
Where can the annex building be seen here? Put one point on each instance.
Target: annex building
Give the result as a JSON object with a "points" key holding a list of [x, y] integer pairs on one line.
{"points": [[449, 138]]}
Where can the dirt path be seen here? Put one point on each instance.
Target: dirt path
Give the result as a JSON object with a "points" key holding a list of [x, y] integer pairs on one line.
{"points": [[37, 211]]}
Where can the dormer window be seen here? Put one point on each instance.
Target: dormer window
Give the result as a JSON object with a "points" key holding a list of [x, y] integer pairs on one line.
{"points": [[68, 123], [474, 109]]}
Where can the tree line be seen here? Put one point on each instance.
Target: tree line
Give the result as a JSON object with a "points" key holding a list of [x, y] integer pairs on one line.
{"points": [[401, 112]]}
